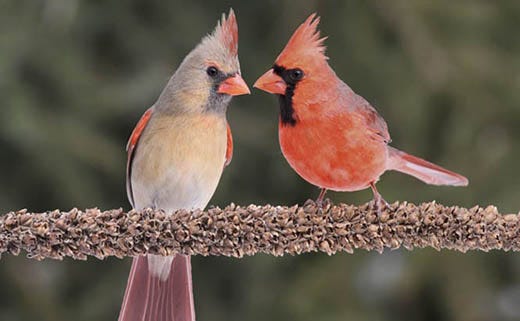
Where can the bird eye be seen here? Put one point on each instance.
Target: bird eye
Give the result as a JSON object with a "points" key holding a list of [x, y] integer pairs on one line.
{"points": [[212, 71], [296, 74]]}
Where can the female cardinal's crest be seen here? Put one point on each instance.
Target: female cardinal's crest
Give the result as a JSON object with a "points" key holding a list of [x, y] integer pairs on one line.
{"points": [[305, 42], [227, 32]]}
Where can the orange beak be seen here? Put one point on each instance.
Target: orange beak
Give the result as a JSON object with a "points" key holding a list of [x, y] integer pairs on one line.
{"points": [[271, 83], [234, 86]]}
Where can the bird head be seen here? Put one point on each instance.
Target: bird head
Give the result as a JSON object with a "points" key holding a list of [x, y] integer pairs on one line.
{"points": [[210, 74], [302, 59]]}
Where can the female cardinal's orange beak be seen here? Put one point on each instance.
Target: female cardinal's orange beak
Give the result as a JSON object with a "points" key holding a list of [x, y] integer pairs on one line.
{"points": [[233, 86], [271, 83]]}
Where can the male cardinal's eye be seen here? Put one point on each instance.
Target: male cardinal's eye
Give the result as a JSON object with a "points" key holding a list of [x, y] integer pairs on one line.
{"points": [[212, 71], [296, 74]]}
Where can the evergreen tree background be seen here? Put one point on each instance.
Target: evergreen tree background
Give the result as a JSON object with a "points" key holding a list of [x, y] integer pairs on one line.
{"points": [[75, 76]]}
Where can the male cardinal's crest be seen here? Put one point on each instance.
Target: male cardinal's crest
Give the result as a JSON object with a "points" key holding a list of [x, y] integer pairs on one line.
{"points": [[304, 43]]}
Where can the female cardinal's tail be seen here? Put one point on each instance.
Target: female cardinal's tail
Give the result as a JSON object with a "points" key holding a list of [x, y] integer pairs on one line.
{"points": [[159, 289], [423, 170]]}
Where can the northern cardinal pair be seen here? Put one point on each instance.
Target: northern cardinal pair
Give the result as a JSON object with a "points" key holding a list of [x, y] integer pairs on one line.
{"points": [[330, 136]]}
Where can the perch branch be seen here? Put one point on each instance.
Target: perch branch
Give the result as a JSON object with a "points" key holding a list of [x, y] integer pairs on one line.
{"points": [[237, 231]]}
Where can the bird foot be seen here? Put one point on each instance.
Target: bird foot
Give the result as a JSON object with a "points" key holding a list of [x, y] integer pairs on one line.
{"points": [[321, 197], [379, 205], [323, 204], [379, 202]]}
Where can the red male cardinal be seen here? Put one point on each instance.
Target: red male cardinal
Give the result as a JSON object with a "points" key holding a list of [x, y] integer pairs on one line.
{"points": [[176, 155], [331, 136]]}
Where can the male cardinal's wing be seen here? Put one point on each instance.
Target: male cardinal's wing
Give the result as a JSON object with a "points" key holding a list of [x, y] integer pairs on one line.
{"points": [[229, 150], [372, 119], [130, 148]]}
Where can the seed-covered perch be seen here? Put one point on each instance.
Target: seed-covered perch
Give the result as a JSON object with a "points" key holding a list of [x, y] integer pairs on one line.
{"points": [[237, 231]]}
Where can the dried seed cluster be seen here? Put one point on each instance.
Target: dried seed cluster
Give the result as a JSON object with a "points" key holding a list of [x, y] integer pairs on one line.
{"points": [[238, 231]]}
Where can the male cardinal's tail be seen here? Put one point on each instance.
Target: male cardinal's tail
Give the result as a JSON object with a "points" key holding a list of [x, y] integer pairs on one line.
{"points": [[159, 289], [423, 170]]}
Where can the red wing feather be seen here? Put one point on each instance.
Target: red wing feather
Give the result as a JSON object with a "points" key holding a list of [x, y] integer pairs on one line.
{"points": [[229, 150], [372, 119], [130, 148]]}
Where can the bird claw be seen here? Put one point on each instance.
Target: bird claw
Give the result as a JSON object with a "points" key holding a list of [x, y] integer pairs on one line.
{"points": [[321, 197], [379, 202], [379, 205], [320, 204]]}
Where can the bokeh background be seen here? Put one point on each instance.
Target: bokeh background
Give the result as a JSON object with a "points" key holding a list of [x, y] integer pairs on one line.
{"points": [[75, 76]]}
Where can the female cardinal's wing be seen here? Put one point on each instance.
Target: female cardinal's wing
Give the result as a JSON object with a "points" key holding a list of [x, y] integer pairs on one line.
{"points": [[130, 148], [229, 150]]}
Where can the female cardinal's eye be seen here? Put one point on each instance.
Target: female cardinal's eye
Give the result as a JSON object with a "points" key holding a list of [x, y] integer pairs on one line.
{"points": [[212, 71], [296, 74]]}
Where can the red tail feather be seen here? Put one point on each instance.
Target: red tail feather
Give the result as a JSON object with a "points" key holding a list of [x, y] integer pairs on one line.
{"points": [[148, 298], [423, 170]]}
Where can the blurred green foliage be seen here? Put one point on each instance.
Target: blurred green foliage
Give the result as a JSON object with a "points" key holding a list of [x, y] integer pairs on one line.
{"points": [[75, 76]]}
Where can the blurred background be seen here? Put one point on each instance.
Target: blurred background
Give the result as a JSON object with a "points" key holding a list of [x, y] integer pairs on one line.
{"points": [[75, 76]]}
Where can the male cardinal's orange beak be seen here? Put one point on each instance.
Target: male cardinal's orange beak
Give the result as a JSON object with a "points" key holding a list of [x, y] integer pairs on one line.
{"points": [[271, 83], [234, 86]]}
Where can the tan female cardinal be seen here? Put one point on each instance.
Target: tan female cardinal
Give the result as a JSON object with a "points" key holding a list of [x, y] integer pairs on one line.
{"points": [[331, 136], [176, 155]]}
